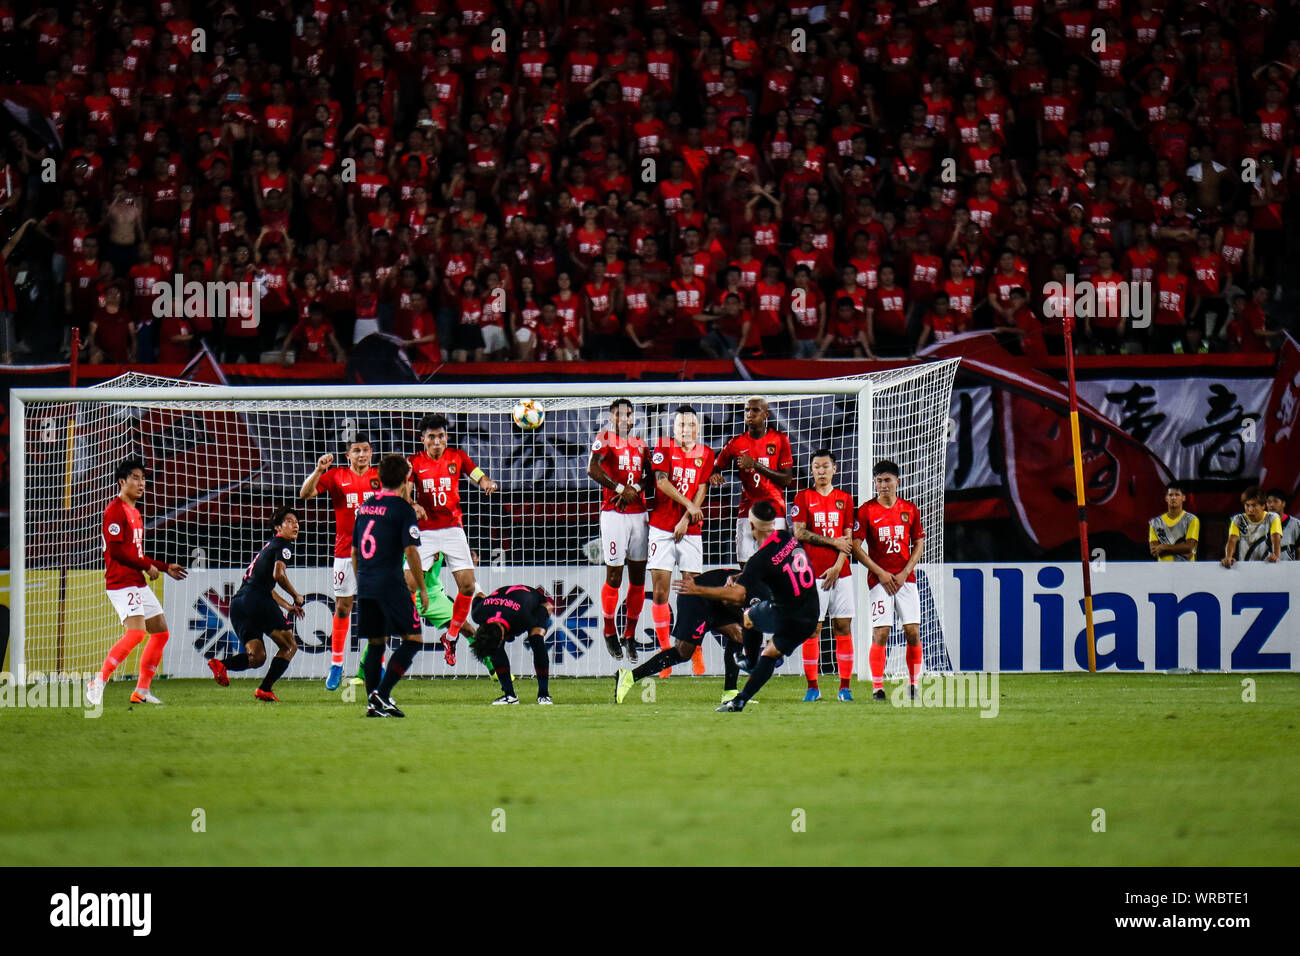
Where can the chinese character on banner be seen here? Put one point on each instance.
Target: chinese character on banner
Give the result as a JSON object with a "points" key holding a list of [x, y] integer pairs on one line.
{"points": [[1279, 462]]}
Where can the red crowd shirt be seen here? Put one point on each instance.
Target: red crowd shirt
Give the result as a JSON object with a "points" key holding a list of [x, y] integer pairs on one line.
{"points": [[124, 560], [437, 487], [347, 489], [623, 460], [890, 534], [771, 450], [828, 515], [688, 471], [1171, 291]]}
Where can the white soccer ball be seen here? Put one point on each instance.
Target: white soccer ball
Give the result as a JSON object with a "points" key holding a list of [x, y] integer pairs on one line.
{"points": [[528, 414]]}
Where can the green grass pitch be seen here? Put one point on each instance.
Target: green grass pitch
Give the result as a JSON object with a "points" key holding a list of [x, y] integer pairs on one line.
{"points": [[1185, 770]]}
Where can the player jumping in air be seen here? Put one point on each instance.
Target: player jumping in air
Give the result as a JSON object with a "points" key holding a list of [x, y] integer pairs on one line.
{"points": [[682, 467], [503, 615], [891, 528], [436, 473], [617, 464], [386, 530], [125, 567], [822, 518], [347, 487], [762, 454], [697, 616], [779, 568], [257, 610]]}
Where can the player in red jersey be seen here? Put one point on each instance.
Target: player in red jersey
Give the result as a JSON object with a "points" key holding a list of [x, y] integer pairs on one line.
{"points": [[125, 567], [348, 486], [891, 528], [682, 467], [617, 464], [822, 521], [436, 474], [766, 468]]}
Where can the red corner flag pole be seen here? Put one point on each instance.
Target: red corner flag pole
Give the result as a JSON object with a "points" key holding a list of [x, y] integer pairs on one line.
{"points": [[1084, 554]]}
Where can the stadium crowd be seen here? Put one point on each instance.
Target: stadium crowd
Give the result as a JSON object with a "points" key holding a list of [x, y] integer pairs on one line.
{"points": [[554, 179]]}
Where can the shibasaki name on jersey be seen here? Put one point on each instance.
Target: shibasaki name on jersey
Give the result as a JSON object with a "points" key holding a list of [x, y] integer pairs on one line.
{"points": [[501, 602]]}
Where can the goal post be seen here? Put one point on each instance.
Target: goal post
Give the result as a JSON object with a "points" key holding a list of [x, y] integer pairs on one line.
{"points": [[221, 459]]}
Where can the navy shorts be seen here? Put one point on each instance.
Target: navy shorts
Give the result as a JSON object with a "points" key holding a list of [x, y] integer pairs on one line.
{"points": [[693, 619], [254, 616], [788, 631], [387, 616]]}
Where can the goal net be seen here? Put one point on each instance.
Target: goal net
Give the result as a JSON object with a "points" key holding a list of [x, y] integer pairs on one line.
{"points": [[222, 459]]}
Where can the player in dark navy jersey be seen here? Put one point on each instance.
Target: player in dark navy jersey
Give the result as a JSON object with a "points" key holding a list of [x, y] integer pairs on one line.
{"points": [[780, 567], [696, 617], [257, 610], [503, 615], [386, 530]]}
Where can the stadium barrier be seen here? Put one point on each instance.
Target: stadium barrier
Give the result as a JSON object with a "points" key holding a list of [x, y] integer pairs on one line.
{"points": [[1000, 617]]}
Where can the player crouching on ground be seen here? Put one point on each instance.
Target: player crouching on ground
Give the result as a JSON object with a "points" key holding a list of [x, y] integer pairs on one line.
{"points": [[386, 530], [697, 616], [256, 610], [780, 567], [503, 615]]}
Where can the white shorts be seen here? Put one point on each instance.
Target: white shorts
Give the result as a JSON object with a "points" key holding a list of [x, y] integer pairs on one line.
{"points": [[129, 602], [745, 543], [623, 537], [524, 334], [838, 601], [345, 579], [452, 543], [494, 338], [902, 608], [665, 553]]}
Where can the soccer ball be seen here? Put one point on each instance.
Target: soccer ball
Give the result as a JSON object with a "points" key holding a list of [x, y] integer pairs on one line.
{"points": [[528, 414]]}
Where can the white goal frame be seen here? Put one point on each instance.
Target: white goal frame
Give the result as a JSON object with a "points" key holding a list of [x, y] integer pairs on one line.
{"points": [[863, 388]]}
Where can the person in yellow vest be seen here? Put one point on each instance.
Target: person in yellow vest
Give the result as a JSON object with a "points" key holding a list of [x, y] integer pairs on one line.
{"points": [[1173, 536], [1255, 534]]}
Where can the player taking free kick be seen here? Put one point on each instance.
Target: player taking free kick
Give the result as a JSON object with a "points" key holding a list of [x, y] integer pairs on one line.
{"points": [[386, 530], [125, 567], [829, 542], [891, 528], [682, 467], [256, 610], [348, 486], [436, 473], [617, 464], [697, 616], [779, 568]]}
